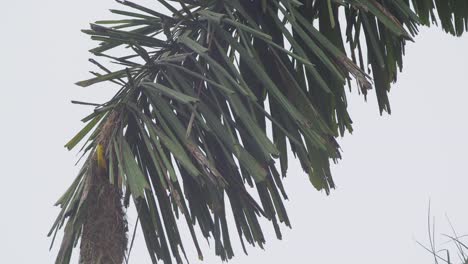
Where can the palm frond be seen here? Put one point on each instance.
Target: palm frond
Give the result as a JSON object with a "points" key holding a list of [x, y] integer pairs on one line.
{"points": [[199, 85]]}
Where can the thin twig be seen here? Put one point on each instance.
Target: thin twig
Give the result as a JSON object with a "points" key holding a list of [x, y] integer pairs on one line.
{"points": [[456, 241], [431, 234]]}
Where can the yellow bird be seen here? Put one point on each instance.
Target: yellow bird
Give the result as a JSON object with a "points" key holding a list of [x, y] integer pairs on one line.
{"points": [[101, 160]]}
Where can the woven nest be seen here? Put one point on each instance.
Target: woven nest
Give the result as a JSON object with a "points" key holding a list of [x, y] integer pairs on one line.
{"points": [[104, 237]]}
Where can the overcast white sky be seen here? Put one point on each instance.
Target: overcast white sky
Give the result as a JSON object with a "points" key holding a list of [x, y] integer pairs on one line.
{"points": [[392, 165]]}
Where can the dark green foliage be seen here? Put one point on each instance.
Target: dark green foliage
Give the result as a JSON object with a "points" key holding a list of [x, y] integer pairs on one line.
{"points": [[189, 128]]}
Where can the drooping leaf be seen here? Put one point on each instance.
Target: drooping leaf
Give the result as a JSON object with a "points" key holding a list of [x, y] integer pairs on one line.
{"points": [[211, 94]]}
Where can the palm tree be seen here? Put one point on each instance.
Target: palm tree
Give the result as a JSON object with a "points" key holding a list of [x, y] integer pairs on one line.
{"points": [[211, 94]]}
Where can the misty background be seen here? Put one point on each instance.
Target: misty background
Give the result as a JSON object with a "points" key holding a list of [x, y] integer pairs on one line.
{"points": [[392, 165]]}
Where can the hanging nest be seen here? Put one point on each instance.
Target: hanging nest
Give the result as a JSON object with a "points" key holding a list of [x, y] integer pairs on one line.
{"points": [[104, 235]]}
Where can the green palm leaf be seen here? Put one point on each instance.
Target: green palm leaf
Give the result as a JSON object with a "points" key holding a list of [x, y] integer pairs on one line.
{"points": [[200, 84]]}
